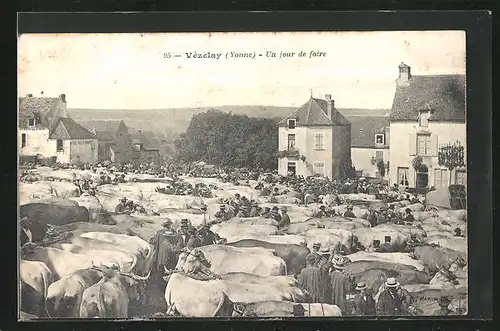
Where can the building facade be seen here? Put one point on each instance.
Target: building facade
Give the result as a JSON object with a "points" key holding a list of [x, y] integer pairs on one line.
{"points": [[428, 112], [45, 129], [315, 140], [113, 139], [146, 150], [370, 142]]}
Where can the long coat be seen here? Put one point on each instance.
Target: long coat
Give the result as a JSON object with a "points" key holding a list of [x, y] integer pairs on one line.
{"points": [[393, 304], [340, 285], [312, 280], [163, 255], [364, 305]]}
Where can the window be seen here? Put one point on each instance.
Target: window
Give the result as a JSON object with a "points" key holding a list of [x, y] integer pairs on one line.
{"points": [[292, 167], [23, 140], [319, 168], [403, 176], [379, 155], [59, 145], [440, 178], [379, 139], [31, 122], [461, 177], [291, 141], [291, 123], [423, 119], [318, 142], [423, 144]]}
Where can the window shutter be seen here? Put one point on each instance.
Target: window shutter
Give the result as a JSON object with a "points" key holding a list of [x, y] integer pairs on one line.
{"points": [[434, 144], [413, 143]]}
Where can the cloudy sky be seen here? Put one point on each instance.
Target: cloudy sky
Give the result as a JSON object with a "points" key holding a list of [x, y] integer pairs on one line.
{"points": [[128, 71]]}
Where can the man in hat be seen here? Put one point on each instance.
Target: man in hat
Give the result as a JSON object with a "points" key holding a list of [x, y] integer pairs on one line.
{"points": [[284, 221], [313, 280], [163, 245], [348, 213], [324, 262], [458, 233], [266, 213], [364, 304], [408, 216], [244, 211], [339, 285], [393, 300], [386, 247], [382, 216], [182, 234], [193, 241], [254, 212], [444, 310], [391, 214], [208, 237], [372, 218], [314, 256], [298, 310], [321, 212], [236, 202], [121, 207], [275, 215], [222, 215]]}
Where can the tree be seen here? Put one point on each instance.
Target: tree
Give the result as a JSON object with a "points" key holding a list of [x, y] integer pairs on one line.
{"points": [[451, 156], [417, 162], [224, 139], [381, 167]]}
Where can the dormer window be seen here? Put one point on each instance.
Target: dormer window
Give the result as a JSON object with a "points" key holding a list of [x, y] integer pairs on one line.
{"points": [[423, 118], [379, 139], [291, 123]]}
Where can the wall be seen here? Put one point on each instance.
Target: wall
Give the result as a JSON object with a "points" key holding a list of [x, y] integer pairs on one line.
{"points": [[404, 133], [37, 142], [341, 147], [63, 156], [153, 154], [361, 158], [84, 150], [121, 141], [304, 143]]}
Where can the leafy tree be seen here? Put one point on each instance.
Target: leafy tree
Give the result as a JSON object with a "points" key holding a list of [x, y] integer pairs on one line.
{"points": [[417, 162], [451, 156], [381, 167], [225, 139]]}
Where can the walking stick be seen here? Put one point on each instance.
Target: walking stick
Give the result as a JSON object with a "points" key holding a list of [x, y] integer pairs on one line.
{"points": [[322, 310], [309, 307]]}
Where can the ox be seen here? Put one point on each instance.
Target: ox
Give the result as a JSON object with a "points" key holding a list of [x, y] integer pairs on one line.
{"points": [[436, 258], [293, 255], [112, 295], [54, 214], [36, 278], [254, 260]]}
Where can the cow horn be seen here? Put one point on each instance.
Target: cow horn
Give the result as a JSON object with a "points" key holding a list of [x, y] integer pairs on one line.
{"points": [[166, 270], [137, 277]]}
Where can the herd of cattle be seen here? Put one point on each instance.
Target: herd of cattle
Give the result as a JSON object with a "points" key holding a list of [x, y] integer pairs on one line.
{"points": [[100, 264]]}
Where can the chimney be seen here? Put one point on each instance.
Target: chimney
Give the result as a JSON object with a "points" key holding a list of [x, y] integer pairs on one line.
{"points": [[63, 98], [404, 73], [29, 95], [330, 106]]}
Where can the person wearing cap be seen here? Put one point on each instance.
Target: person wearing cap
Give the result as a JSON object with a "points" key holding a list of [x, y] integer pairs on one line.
{"points": [[284, 221], [386, 247], [364, 304], [444, 310], [182, 234], [315, 256], [163, 245], [339, 285], [393, 300], [312, 279], [121, 207], [222, 214], [348, 213]]}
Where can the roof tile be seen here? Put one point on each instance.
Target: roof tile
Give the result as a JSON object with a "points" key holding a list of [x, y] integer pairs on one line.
{"points": [[67, 128], [313, 113]]}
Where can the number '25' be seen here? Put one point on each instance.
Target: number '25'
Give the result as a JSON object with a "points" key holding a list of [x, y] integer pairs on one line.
{"points": [[167, 55]]}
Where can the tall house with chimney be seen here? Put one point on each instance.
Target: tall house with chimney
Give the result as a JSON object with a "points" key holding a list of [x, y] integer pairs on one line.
{"points": [[45, 129], [315, 140], [428, 112]]}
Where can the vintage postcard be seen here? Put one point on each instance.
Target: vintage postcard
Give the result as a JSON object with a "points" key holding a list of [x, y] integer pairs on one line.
{"points": [[242, 175]]}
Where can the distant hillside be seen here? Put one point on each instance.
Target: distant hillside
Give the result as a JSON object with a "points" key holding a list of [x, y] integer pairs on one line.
{"points": [[173, 121]]}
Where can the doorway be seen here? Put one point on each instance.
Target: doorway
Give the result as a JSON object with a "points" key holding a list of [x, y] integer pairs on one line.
{"points": [[423, 177], [292, 168]]}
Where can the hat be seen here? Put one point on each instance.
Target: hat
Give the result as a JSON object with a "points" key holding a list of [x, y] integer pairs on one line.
{"points": [[283, 208], [267, 208], [391, 282], [408, 210], [387, 238], [222, 206], [322, 207], [317, 245], [444, 300], [361, 286], [123, 199], [324, 251], [184, 222], [274, 208], [167, 222]]}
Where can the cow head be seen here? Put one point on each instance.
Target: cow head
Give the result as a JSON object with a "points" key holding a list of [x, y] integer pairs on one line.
{"points": [[137, 286]]}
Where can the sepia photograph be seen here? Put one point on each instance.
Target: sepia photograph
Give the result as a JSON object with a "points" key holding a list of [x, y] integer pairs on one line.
{"points": [[249, 174]]}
